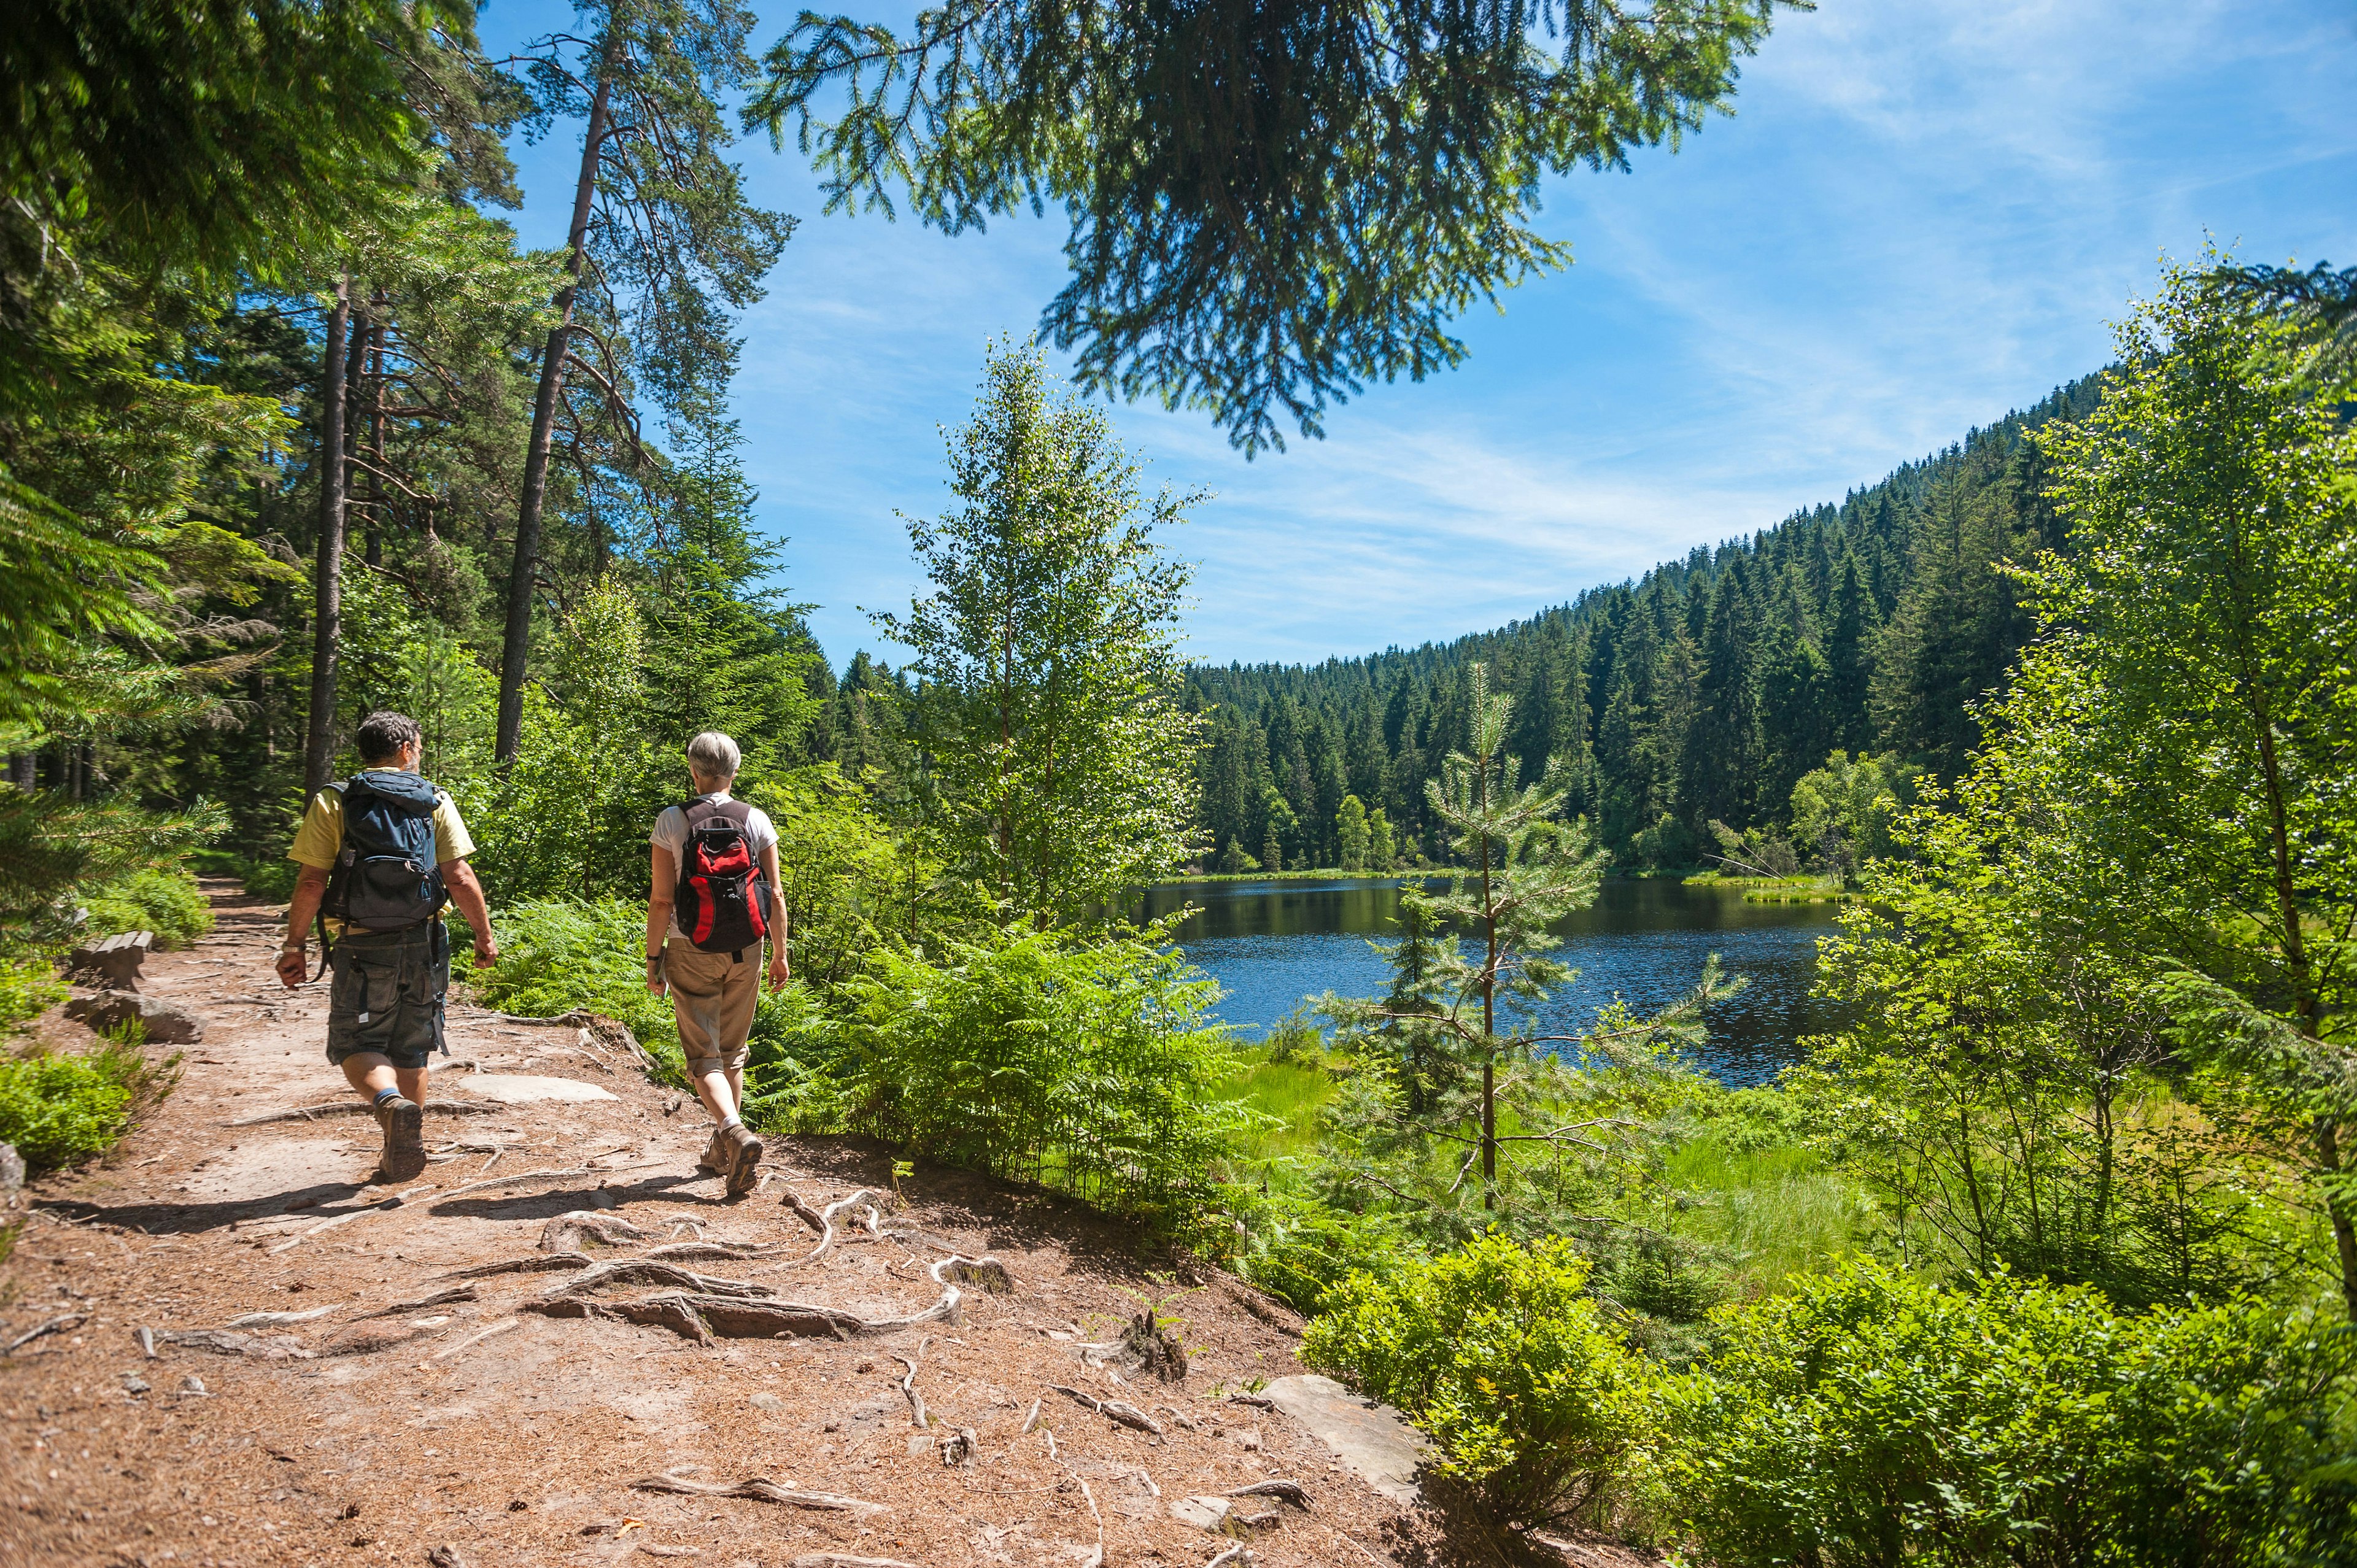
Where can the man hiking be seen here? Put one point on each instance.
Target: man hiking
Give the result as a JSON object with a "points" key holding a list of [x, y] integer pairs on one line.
{"points": [[381, 853], [716, 895]]}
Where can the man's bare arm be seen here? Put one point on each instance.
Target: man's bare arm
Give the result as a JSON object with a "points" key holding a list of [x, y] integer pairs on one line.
{"points": [[467, 892], [310, 886]]}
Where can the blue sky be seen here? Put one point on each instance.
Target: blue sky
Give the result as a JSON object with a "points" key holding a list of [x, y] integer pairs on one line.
{"points": [[1922, 214]]}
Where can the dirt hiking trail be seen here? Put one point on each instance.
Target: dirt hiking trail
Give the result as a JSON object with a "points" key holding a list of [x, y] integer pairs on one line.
{"points": [[339, 1375]]}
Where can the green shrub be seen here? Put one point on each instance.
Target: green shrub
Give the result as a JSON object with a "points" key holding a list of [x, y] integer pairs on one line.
{"points": [[272, 879], [1540, 1413], [1083, 1066], [62, 1110], [164, 899], [1872, 1418], [29, 986]]}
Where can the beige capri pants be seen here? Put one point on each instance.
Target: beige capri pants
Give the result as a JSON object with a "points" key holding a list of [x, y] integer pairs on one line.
{"points": [[713, 996]]}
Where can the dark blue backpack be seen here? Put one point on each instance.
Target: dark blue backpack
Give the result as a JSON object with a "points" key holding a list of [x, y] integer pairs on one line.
{"points": [[385, 877]]}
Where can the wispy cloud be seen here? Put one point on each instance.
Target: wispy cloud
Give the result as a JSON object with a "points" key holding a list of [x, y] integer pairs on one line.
{"points": [[1921, 215]]}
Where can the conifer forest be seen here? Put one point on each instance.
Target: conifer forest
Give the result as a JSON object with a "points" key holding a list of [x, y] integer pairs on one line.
{"points": [[2043, 1252]]}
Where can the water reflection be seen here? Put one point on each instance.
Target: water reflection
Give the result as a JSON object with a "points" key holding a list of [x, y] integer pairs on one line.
{"points": [[1271, 943]]}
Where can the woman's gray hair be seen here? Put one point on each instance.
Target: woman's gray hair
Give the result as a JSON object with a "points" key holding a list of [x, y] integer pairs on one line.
{"points": [[713, 756]]}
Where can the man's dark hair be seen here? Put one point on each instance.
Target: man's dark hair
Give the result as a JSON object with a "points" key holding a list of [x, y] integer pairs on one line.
{"points": [[383, 734]]}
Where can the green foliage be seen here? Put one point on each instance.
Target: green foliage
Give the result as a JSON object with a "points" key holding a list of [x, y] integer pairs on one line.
{"points": [[206, 134], [1540, 1412], [60, 1111], [49, 844], [1872, 1418], [1351, 832], [557, 954], [572, 815], [1083, 1067], [1635, 685], [1843, 812], [852, 884], [164, 899], [2188, 714], [1327, 188], [1046, 655], [29, 987]]}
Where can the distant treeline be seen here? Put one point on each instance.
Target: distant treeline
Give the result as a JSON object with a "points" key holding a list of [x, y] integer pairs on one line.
{"points": [[1702, 692]]}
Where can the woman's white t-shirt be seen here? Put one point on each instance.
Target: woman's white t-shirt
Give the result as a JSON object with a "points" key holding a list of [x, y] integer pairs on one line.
{"points": [[671, 834]]}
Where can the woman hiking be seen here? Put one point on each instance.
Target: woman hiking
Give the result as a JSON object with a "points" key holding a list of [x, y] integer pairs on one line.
{"points": [[716, 895]]}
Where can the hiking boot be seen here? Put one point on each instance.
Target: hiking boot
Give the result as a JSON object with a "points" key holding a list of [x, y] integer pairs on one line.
{"points": [[404, 1125], [745, 1158], [718, 1158]]}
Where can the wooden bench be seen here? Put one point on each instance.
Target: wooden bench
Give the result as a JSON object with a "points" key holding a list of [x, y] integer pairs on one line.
{"points": [[116, 960]]}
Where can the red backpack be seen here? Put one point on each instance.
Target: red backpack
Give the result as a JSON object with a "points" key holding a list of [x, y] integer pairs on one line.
{"points": [[720, 898]]}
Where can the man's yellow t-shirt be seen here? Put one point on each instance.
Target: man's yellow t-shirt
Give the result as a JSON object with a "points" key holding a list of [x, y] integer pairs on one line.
{"points": [[321, 836]]}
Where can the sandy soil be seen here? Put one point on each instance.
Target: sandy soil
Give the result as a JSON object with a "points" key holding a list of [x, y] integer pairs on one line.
{"points": [[521, 1446]]}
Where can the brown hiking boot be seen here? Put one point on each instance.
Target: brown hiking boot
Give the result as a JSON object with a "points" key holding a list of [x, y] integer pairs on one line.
{"points": [[404, 1125], [745, 1158], [717, 1158]]}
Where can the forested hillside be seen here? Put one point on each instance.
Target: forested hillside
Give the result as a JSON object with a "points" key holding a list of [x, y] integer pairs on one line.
{"points": [[1704, 690]]}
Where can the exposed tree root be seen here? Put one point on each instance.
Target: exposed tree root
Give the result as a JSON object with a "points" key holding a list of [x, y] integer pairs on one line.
{"points": [[439, 1298], [761, 1489], [645, 1271], [567, 1231], [845, 1559], [359, 1108], [917, 1416], [822, 1220], [531, 1264], [521, 1178], [54, 1326], [281, 1319]]}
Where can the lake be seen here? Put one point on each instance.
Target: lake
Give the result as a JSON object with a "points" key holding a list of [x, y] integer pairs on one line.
{"points": [[1269, 944]]}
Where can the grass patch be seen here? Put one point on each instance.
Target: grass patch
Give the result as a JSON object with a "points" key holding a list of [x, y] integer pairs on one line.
{"points": [[61, 1111], [1293, 1092], [1779, 1209]]}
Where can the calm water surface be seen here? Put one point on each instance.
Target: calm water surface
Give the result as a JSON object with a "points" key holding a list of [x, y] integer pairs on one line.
{"points": [[1269, 944]]}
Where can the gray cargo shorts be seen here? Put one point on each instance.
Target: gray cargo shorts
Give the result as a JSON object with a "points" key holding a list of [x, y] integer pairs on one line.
{"points": [[388, 994]]}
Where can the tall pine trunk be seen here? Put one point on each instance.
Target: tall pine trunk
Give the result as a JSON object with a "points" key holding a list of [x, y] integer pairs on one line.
{"points": [[515, 651], [327, 580]]}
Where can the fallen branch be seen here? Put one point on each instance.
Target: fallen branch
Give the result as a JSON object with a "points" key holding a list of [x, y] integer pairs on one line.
{"points": [[54, 1326], [1237, 1557], [761, 1490], [222, 1342], [476, 1339], [843, 1560], [297, 1240], [280, 1319], [1293, 1492], [1113, 1409]]}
